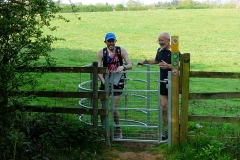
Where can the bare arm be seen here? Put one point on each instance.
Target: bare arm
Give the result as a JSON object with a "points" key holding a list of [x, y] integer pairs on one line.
{"points": [[126, 59], [100, 59], [147, 61], [165, 65]]}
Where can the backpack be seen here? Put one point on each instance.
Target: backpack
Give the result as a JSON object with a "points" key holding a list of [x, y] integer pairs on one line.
{"points": [[105, 56], [119, 57]]}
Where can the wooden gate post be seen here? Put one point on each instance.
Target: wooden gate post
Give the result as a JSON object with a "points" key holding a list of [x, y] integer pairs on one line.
{"points": [[95, 94], [175, 90], [185, 97]]}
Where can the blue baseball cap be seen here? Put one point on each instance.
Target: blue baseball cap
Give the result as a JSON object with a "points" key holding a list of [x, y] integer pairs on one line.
{"points": [[110, 35]]}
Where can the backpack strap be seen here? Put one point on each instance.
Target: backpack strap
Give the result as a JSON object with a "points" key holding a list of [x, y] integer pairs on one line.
{"points": [[105, 57], [119, 55], [121, 62]]}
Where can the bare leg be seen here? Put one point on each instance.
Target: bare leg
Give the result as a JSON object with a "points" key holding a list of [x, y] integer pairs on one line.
{"points": [[118, 132], [116, 113], [164, 104]]}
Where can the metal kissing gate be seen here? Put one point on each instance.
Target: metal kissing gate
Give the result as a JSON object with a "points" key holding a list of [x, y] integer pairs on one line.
{"points": [[139, 107]]}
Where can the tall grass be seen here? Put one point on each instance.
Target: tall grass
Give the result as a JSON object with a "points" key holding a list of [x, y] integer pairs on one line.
{"points": [[211, 36]]}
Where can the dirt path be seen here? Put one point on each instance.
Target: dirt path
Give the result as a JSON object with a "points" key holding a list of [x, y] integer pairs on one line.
{"points": [[135, 151]]}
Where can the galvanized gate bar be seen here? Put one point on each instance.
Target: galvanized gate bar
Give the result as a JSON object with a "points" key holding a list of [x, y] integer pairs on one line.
{"points": [[147, 112], [147, 128]]}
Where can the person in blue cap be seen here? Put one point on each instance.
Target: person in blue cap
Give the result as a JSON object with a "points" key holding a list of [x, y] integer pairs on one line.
{"points": [[112, 57]]}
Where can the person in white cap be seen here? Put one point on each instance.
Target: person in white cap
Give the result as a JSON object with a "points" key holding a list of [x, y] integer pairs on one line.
{"points": [[112, 57]]}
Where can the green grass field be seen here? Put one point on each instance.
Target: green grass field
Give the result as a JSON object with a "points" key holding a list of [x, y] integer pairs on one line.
{"points": [[211, 36]]}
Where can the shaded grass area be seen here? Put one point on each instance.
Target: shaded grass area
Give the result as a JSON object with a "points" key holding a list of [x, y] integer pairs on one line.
{"points": [[210, 36], [201, 148], [52, 136]]}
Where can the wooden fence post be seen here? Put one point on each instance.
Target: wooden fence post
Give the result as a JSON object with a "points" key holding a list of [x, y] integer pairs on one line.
{"points": [[175, 90], [185, 97], [95, 94], [181, 71]]}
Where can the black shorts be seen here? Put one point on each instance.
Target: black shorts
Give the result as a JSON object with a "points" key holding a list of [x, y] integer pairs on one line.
{"points": [[163, 88], [119, 86]]}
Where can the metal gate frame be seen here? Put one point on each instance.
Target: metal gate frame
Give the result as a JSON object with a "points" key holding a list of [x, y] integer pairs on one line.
{"points": [[159, 110], [105, 122]]}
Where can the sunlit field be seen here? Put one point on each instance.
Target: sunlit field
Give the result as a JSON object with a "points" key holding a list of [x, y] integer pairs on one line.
{"points": [[211, 36]]}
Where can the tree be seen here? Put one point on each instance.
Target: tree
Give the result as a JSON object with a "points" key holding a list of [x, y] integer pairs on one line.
{"points": [[187, 2], [23, 46], [175, 2], [119, 7], [132, 3]]}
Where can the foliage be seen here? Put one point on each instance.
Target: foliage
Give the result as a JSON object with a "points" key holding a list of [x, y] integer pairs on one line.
{"points": [[86, 8], [132, 5], [137, 8], [192, 7], [119, 7], [82, 51], [137, 31], [203, 149], [23, 46], [51, 136], [187, 3]]}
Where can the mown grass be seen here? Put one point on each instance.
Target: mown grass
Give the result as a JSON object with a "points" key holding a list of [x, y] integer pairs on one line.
{"points": [[211, 36]]}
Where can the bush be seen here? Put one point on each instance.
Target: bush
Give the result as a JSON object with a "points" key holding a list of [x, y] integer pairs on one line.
{"points": [[22, 44], [119, 7], [51, 136]]}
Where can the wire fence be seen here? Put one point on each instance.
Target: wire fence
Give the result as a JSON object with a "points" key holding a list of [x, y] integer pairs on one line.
{"points": [[215, 107]]}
